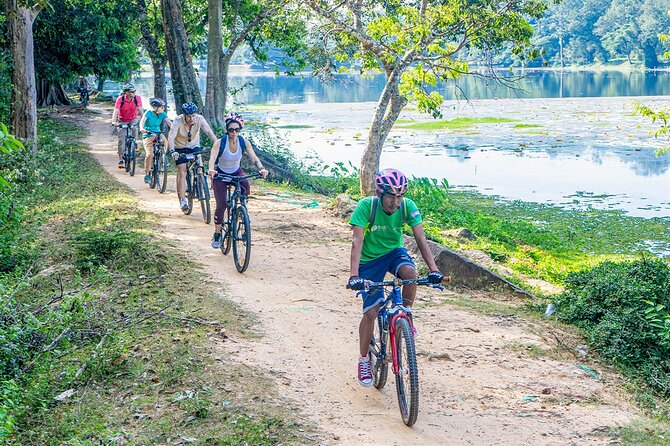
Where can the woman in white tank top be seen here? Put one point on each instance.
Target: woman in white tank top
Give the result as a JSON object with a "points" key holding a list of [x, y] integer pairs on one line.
{"points": [[226, 157]]}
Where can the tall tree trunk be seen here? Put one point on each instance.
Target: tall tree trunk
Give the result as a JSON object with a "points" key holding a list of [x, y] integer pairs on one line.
{"points": [[158, 58], [184, 80], [51, 93], [23, 117], [560, 50], [388, 109], [214, 102], [223, 81], [101, 83]]}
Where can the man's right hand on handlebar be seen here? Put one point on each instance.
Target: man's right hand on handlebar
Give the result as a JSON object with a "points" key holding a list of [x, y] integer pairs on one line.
{"points": [[356, 283], [175, 155]]}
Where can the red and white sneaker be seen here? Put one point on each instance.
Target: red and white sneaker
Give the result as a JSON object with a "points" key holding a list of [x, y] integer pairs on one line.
{"points": [[364, 372]]}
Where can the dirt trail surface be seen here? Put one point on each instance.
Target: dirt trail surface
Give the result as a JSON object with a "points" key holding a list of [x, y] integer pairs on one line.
{"points": [[480, 382]]}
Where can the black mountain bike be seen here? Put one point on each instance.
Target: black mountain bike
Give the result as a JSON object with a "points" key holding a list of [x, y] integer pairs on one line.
{"points": [[159, 167], [196, 184], [130, 150], [394, 327], [235, 226]]}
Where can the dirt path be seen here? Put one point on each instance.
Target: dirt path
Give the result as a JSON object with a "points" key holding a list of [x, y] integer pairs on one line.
{"points": [[487, 390]]}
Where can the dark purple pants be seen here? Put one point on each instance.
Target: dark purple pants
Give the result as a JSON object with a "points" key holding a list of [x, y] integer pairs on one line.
{"points": [[220, 193]]}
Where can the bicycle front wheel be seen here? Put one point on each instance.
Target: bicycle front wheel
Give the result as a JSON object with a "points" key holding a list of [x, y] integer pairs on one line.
{"points": [[161, 171], [241, 238], [153, 174], [377, 354], [226, 231], [407, 379], [132, 157], [203, 196], [189, 193], [126, 155]]}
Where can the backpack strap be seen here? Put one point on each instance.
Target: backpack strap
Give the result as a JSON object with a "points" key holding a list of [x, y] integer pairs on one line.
{"points": [[375, 205], [240, 141]]}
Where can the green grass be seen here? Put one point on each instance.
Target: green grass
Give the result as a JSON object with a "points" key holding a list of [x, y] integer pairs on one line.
{"points": [[456, 124], [536, 240], [294, 126], [131, 348], [526, 126]]}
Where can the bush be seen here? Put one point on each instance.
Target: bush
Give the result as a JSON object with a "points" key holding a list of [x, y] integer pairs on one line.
{"points": [[623, 309]]}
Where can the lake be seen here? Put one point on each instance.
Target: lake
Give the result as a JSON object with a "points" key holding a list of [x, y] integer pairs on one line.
{"points": [[581, 144]]}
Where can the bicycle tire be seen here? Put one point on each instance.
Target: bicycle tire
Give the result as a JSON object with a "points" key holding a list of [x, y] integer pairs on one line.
{"points": [[132, 155], [153, 174], [241, 238], [226, 232], [189, 193], [407, 379], [378, 358], [126, 156], [162, 175], [203, 196]]}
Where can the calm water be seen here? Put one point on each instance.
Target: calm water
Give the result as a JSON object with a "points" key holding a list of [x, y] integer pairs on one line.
{"points": [[587, 147], [266, 88]]}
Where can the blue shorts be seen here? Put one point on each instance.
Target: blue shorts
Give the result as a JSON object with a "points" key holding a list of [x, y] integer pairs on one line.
{"points": [[376, 269]]}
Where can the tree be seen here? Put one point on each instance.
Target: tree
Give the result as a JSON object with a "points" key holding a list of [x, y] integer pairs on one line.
{"points": [[184, 81], [417, 44], [20, 19], [153, 39], [94, 37], [255, 23]]}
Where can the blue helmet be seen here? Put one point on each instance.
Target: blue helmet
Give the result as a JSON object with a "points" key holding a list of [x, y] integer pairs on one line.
{"points": [[189, 108]]}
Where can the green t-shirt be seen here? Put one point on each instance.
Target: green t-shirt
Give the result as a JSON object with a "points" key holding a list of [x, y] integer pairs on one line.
{"points": [[385, 234]]}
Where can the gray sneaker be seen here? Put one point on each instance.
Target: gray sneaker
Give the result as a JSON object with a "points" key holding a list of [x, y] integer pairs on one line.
{"points": [[216, 240], [183, 204]]}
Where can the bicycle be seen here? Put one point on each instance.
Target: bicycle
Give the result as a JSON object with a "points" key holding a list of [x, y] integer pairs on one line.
{"points": [[130, 151], [235, 225], [394, 322], [159, 167], [196, 184], [84, 93]]}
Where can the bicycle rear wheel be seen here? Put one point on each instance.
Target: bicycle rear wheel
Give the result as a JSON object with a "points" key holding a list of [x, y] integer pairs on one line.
{"points": [[161, 171], [407, 379], [132, 157], [377, 353], [203, 196], [241, 238]]}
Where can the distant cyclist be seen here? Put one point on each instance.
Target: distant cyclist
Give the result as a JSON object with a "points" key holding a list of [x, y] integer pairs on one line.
{"points": [[127, 109], [377, 249], [226, 157], [150, 124], [82, 85], [184, 138]]}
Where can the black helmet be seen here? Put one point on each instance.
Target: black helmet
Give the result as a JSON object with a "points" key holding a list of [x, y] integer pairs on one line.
{"points": [[157, 102], [189, 108], [129, 87]]}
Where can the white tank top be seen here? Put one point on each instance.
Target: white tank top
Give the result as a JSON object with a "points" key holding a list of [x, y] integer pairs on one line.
{"points": [[229, 162]]}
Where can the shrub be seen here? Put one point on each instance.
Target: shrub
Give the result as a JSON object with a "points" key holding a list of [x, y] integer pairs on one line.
{"points": [[623, 309]]}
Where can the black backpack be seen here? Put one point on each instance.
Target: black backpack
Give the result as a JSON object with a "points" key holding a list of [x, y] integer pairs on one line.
{"points": [[240, 142], [123, 100]]}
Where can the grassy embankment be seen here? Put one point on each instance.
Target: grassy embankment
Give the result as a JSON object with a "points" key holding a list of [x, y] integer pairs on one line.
{"points": [[96, 304]]}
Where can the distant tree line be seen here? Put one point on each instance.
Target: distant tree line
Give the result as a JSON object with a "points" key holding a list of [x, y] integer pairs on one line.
{"points": [[582, 32]]}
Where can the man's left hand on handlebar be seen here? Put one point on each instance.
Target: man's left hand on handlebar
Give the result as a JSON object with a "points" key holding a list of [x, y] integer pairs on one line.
{"points": [[435, 277], [356, 283]]}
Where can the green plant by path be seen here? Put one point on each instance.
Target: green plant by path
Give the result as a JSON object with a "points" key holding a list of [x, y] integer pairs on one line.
{"points": [[92, 304], [455, 124], [538, 240]]}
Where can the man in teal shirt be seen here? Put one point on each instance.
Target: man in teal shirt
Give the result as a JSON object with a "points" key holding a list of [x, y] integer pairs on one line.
{"points": [[377, 249]]}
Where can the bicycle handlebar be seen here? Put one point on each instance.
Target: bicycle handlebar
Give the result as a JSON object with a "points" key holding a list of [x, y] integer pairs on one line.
{"points": [[231, 178], [369, 285], [126, 126]]}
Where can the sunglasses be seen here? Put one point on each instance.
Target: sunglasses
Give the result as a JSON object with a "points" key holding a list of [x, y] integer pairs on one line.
{"points": [[233, 129]]}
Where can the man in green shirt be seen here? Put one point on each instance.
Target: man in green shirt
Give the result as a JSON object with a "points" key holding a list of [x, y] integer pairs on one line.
{"points": [[377, 249]]}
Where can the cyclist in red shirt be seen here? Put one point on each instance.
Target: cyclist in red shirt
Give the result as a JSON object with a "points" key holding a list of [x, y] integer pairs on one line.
{"points": [[127, 110]]}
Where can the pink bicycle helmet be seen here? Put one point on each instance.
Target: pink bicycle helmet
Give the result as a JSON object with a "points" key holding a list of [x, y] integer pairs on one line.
{"points": [[391, 181], [234, 117]]}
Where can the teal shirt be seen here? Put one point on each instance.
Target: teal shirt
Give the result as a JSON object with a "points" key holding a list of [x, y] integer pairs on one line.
{"points": [[385, 234], [153, 122]]}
